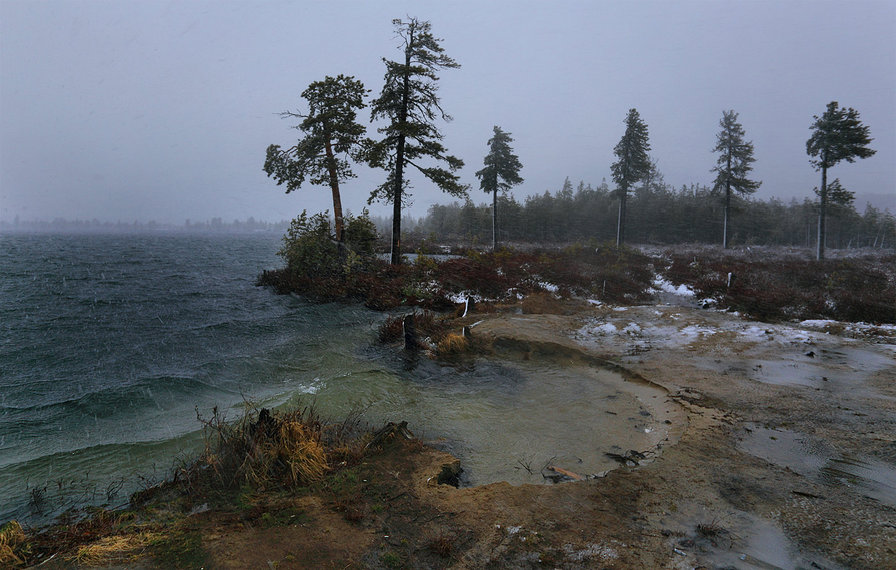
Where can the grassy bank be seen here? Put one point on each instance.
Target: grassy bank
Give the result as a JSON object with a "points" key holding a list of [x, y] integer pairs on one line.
{"points": [[612, 275], [253, 472], [765, 283]]}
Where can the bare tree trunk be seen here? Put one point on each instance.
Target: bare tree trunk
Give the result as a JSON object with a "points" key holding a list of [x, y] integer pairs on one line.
{"points": [[725, 223], [395, 258], [495, 220], [399, 161], [727, 203], [620, 224], [822, 206], [334, 186]]}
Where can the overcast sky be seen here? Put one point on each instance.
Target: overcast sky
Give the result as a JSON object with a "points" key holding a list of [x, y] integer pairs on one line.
{"points": [[138, 109]]}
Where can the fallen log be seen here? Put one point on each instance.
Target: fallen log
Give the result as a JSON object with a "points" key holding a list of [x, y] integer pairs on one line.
{"points": [[565, 473]]}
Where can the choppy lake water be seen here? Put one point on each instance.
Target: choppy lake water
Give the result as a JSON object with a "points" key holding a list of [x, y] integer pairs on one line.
{"points": [[109, 344]]}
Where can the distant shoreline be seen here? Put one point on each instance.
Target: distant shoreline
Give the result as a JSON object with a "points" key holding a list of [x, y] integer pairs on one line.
{"points": [[62, 226]]}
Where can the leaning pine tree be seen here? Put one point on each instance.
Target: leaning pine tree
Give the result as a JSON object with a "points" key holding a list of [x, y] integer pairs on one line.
{"points": [[333, 138], [632, 166], [837, 135], [410, 104], [502, 170], [733, 165]]}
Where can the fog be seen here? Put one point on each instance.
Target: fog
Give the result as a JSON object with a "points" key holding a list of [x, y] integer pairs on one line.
{"points": [[148, 110]]}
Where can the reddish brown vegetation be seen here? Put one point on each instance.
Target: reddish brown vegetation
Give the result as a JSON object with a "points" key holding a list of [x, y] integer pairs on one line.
{"points": [[768, 284], [620, 276], [857, 289]]}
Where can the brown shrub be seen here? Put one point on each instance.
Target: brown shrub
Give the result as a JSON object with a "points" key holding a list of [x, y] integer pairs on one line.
{"points": [[280, 450], [451, 344], [391, 330], [615, 275], [784, 286]]}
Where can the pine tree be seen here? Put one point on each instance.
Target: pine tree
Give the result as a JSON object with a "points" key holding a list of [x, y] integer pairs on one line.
{"points": [[733, 165], [632, 166], [837, 135], [409, 102], [333, 138], [501, 171]]}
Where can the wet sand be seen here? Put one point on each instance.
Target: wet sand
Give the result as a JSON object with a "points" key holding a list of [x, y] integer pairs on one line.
{"points": [[788, 458]]}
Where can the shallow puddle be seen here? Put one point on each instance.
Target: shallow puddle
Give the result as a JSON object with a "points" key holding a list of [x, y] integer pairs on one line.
{"points": [[512, 420], [748, 542], [818, 461], [845, 369], [569, 418]]}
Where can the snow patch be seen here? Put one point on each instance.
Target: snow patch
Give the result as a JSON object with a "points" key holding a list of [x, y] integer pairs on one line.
{"points": [[696, 330], [632, 329], [753, 332], [606, 328], [817, 323], [459, 298], [662, 284]]}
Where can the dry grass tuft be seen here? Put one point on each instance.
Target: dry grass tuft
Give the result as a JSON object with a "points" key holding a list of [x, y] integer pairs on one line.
{"points": [[121, 549], [12, 543], [282, 449], [269, 450], [301, 450], [451, 344]]}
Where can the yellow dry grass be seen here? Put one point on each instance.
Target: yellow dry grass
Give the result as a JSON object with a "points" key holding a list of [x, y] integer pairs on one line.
{"points": [[12, 540], [451, 344], [288, 451], [115, 549], [302, 451]]}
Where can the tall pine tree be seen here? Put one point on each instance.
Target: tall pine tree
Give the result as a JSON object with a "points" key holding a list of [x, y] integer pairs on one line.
{"points": [[632, 166], [837, 135], [333, 138], [733, 164], [502, 170], [410, 103]]}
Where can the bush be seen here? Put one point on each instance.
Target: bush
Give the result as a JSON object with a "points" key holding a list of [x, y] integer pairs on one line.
{"points": [[311, 250], [309, 247], [281, 449]]}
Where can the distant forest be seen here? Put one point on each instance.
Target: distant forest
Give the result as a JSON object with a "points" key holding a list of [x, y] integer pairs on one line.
{"points": [[657, 214]]}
